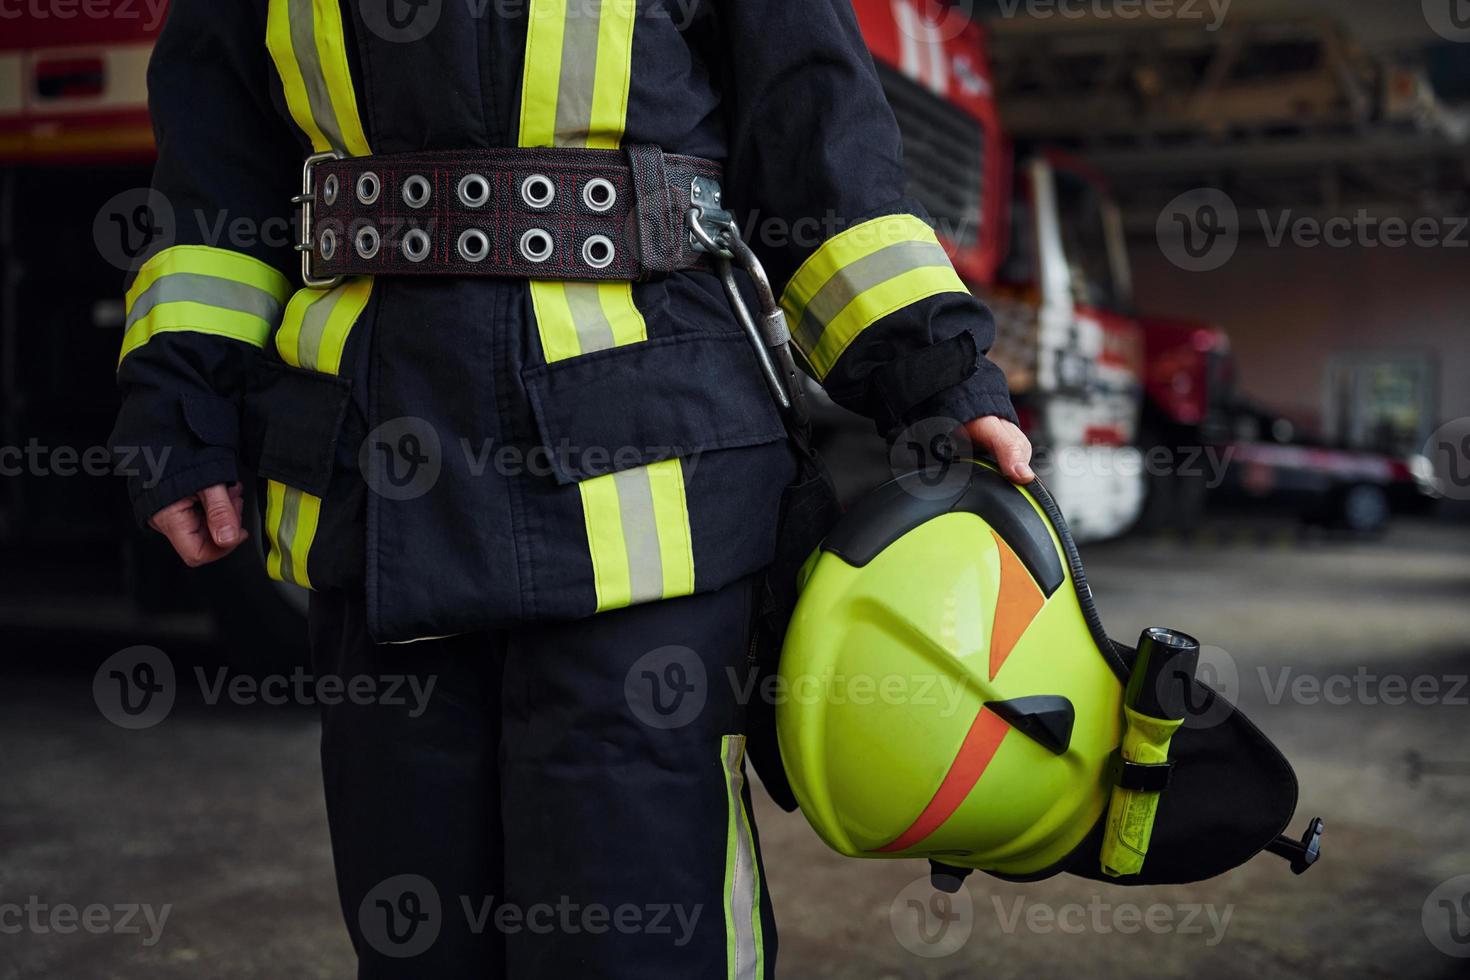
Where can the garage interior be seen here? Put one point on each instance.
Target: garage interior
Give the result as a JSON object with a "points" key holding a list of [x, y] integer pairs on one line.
{"points": [[1315, 119]]}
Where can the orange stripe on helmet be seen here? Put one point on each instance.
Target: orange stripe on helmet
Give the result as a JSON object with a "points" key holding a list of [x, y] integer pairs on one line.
{"points": [[978, 748], [1017, 604]]}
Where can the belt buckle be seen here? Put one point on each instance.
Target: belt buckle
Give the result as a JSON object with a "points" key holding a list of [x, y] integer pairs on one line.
{"points": [[305, 200]]}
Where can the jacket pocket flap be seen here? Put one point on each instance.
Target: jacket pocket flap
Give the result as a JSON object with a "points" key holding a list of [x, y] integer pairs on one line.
{"points": [[642, 403], [214, 421], [293, 419]]}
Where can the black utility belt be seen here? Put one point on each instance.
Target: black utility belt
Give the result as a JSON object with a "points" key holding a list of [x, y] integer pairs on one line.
{"points": [[539, 213]]}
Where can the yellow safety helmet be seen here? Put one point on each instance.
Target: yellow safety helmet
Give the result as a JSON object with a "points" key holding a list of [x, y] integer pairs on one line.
{"points": [[947, 691]]}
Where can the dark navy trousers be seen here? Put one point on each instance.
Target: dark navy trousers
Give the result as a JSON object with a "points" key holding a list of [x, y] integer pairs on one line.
{"points": [[566, 799]]}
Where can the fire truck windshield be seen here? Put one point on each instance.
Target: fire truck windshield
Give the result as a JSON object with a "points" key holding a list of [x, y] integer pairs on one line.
{"points": [[1084, 239]]}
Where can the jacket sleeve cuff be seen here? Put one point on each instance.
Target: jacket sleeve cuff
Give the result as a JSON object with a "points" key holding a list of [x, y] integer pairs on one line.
{"points": [[951, 379], [171, 447], [152, 495], [983, 393]]}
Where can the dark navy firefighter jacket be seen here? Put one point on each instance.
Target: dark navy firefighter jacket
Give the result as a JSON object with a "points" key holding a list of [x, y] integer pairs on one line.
{"points": [[474, 452]]}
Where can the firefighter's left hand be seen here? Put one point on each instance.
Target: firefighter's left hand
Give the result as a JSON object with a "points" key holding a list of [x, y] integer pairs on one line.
{"points": [[1007, 443]]}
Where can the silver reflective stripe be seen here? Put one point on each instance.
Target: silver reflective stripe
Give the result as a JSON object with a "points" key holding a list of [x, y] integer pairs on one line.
{"points": [[640, 534], [303, 42], [313, 325], [578, 73], [286, 535], [191, 287], [740, 915], [594, 332], [853, 280]]}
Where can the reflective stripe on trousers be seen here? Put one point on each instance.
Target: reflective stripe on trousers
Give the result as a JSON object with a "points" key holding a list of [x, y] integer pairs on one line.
{"points": [[745, 952]]}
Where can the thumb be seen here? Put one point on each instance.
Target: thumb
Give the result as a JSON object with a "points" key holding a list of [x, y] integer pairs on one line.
{"points": [[220, 515]]}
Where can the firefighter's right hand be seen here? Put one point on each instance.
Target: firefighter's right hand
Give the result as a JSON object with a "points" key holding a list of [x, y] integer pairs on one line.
{"points": [[205, 527]]}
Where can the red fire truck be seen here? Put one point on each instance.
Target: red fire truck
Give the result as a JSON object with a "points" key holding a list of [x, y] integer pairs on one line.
{"points": [[1035, 234]]}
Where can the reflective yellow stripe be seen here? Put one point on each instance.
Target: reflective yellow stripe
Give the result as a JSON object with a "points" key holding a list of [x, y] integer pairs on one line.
{"points": [[638, 534], [196, 318], [671, 517], [206, 290], [275, 495], [744, 945], [545, 28], [574, 92], [860, 276], [605, 541], [309, 47], [313, 335], [575, 318], [205, 260], [554, 323], [614, 74], [317, 323], [291, 518]]}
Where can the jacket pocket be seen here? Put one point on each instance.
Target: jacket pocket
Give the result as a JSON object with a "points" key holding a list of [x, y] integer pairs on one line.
{"points": [[644, 403], [293, 422]]}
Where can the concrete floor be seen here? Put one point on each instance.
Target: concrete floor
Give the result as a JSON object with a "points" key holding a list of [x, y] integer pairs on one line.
{"points": [[216, 813]]}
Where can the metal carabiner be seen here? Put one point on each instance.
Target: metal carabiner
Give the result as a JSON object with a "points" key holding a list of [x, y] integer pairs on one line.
{"points": [[770, 337]]}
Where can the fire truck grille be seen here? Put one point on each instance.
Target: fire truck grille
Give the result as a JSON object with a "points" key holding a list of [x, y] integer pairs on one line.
{"points": [[944, 151]]}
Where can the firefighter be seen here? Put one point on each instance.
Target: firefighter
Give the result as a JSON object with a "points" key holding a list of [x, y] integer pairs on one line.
{"points": [[511, 433]]}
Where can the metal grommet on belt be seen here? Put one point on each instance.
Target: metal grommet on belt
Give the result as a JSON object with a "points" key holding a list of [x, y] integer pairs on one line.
{"points": [[473, 245], [368, 187], [537, 245], [416, 245], [599, 252], [474, 190], [416, 190], [329, 190], [538, 191], [599, 194], [327, 244], [368, 241]]}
